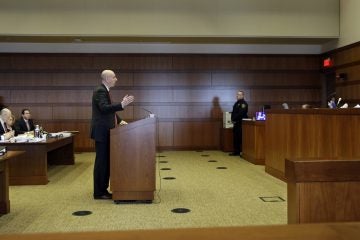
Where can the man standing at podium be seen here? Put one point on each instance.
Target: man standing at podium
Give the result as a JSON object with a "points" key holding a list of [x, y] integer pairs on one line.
{"points": [[104, 118]]}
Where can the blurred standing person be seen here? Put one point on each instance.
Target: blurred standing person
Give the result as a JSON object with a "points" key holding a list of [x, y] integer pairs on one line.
{"points": [[239, 112], [104, 118]]}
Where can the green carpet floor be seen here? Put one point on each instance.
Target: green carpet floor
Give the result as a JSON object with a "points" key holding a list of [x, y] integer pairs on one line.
{"points": [[216, 197]]}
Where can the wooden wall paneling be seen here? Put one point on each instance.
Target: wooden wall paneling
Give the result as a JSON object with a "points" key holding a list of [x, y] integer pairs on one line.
{"points": [[303, 62], [76, 79], [285, 95], [259, 79], [70, 96], [355, 122], [349, 89], [184, 112], [346, 135], [353, 73], [275, 125], [51, 96], [204, 95], [31, 62], [151, 95], [325, 130], [195, 112], [127, 114], [190, 135], [31, 96], [232, 79], [176, 87], [5, 96], [122, 62], [75, 62], [29, 79], [301, 132], [82, 140], [50, 61], [227, 62], [319, 133], [172, 79], [316, 206], [349, 93], [124, 79], [253, 138], [5, 61], [72, 112], [191, 62], [188, 111], [275, 62], [152, 62], [165, 134], [216, 111], [152, 79], [346, 56], [347, 60], [162, 111]]}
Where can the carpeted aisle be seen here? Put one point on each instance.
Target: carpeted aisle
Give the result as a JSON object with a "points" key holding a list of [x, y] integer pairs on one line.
{"points": [[215, 197]]}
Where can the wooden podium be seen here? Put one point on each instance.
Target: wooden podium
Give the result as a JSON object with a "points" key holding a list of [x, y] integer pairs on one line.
{"points": [[132, 161]]}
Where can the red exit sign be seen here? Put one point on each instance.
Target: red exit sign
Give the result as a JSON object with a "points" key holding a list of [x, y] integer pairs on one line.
{"points": [[327, 63]]}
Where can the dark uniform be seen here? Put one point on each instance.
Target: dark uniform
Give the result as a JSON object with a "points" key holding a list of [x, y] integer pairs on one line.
{"points": [[239, 112]]}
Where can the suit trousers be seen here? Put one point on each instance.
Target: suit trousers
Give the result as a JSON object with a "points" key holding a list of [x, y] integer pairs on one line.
{"points": [[102, 167]]}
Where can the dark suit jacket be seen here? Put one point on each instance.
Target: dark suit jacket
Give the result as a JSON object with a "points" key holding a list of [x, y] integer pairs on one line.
{"points": [[103, 114], [2, 130], [20, 126]]}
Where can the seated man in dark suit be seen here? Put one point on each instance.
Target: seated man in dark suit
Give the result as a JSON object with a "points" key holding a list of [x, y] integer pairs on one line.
{"points": [[25, 123]]}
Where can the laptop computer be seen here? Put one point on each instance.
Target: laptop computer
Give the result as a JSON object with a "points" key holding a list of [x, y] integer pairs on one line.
{"points": [[260, 116]]}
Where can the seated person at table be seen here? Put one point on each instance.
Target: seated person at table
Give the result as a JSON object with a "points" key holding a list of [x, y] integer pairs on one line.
{"points": [[5, 133], [24, 123], [10, 124]]}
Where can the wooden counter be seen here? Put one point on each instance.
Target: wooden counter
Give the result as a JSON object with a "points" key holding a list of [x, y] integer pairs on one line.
{"points": [[4, 180], [323, 190], [31, 168], [253, 146], [310, 133], [329, 231]]}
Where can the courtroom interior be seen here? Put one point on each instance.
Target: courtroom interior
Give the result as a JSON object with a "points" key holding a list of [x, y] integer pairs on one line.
{"points": [[175, 167]]}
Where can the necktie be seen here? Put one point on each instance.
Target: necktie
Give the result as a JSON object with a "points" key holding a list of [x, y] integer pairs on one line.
{"points": [[5, 127], [27, 125]]}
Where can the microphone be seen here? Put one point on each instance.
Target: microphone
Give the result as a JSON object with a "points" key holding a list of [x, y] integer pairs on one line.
{"points": [[338, 101], [151, 115], [147, 110]]}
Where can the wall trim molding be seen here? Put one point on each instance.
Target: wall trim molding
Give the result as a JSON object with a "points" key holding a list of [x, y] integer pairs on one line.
{"points": [[7, 47]]}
